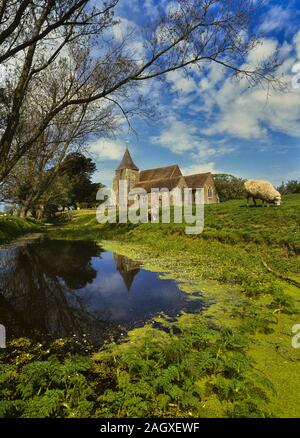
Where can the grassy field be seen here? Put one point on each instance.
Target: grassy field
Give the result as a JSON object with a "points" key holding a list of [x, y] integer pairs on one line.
{"points": [[229, 222], [235, 359]]}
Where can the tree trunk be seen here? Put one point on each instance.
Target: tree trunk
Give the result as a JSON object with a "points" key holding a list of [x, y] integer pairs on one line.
{"points": [[23, 211], [24, 208], [40, 212]]}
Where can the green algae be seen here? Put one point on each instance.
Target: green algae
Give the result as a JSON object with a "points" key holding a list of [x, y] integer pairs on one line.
{"points": [[272, 352]]}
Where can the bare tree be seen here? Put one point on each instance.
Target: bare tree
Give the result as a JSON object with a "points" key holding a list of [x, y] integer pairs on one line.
{"points": [[34, 34], [24, 23], [194, 33], [36, 172]]}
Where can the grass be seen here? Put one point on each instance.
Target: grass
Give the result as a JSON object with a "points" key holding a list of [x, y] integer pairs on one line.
{"points": [[229, 222], [13, 227], [235, 359]]}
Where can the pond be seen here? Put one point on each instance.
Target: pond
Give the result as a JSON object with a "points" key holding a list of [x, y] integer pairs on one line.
{"points": [[59, 289]]}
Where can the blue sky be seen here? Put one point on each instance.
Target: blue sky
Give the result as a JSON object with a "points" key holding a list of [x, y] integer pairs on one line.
{"points": [[210, 122]]}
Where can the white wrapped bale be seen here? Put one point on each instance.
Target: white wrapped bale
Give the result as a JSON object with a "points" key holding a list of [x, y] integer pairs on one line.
{"points": [[264, 190]]}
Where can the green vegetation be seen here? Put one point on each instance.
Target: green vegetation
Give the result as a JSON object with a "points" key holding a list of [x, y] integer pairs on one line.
{"points": [[47, 185], [154, 374], [235, 359], [229, 187], [229, 222], [13, 227], [292, 186]]}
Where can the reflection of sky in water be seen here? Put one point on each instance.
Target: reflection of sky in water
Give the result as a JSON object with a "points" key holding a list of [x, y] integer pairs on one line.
{"points": [[108, 294], [61, 288]]}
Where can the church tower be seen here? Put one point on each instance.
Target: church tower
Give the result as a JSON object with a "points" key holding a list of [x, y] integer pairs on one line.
{"points": [[127, 171]]}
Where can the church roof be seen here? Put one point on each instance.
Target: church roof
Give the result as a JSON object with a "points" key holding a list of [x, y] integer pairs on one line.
{"points": [[160, 173], [163, 183], [127, 162], [197, 181]]}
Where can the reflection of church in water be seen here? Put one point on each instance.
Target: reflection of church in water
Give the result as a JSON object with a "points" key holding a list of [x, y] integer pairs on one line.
{"points": [[63, 289], [40, 292], [128, 269]]}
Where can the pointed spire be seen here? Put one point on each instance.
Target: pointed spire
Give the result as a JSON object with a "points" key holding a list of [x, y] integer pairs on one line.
{"points": [[127, 162], [128, 269]]}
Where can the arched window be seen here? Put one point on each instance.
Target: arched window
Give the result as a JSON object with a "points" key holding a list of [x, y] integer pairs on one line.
{"points": [[210, 192]]}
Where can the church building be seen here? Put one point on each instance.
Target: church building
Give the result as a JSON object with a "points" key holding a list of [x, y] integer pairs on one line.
{"points": [[169, 177]]}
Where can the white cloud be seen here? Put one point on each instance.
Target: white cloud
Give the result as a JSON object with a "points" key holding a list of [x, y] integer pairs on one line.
{"points": [[265, 49], [137, 49], [171, 7], [183, 137], [177, 136], [239, 115], [215, 74], [107, 149], [296, 42], [235, 109], [180, 82], [123, 28], [127, 30], [276, 19], [104, 175], [200, 168], [251, 114]]}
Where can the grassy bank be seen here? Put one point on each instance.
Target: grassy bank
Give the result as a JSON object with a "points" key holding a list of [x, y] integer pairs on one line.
{"points": [[235, 359], [14, 227]]}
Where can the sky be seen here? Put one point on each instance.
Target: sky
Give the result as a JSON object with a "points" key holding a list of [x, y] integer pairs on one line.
{"points": [[210, 121]]}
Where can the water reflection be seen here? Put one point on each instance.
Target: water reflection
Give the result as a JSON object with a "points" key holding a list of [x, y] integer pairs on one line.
{"points": [[61, 288], [127, 268]]}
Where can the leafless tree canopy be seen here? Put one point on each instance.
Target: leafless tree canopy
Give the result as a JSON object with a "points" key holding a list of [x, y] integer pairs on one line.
{"points": [[23, 23], [43, 40]]}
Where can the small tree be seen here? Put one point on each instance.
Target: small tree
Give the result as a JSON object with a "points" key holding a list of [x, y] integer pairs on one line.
{"points": [[57, 195], [79, 170], [229, 187], [290, 187]]}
